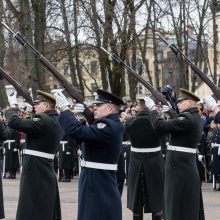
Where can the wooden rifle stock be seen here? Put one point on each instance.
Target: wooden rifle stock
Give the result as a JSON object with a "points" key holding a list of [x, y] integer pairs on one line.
{"points": [[196, 70], [73, 92], [22, 92], [68, 86], [156, 94]]}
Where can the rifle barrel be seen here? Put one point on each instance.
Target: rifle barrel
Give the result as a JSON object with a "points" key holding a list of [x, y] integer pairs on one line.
{"points": [[195, 69], [60, 78], [156, 94], [8, 28], [17, 86]]}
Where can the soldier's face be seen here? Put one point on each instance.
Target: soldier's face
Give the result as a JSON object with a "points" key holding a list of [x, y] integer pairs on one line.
{"points": [[102, 110], [40, 107], [184, 104]]}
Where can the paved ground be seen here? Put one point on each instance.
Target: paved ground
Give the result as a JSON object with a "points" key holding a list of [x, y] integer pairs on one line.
{"points": [[68, 194]]}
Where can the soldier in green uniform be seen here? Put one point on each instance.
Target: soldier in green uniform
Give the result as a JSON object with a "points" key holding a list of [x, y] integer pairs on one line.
{"points": [[182, 182], [146, 170], [2, 138], [39, 195]]}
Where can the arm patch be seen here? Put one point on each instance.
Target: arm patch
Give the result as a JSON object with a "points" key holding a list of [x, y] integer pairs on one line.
{"points": [[101, 125]]}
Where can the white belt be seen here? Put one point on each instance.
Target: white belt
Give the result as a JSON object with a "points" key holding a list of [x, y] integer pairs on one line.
{"points": [[101, 166], [63, 144], [181, 149], [15, 149], [126, 142], [9, 143], [22, 141], [38, 154], [217, 145], [145, 150]]}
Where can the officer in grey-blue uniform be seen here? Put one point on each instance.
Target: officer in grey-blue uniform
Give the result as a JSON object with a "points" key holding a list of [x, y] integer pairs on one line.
{"points": [[98, 197]]}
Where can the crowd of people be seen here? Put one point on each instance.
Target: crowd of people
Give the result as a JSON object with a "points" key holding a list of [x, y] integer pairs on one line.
{"points": [[162, 160]]}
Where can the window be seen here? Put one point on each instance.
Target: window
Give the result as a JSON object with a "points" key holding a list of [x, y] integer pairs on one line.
{"points": [[139, 88], [94, 68], [139, 65], [170, 56], [66, 69], [94, 87], [191, 54], [160, 56], [81, 69]]}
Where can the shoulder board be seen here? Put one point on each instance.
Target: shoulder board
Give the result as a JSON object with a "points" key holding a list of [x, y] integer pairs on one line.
{"points": [[181, 118], [36, 118]]}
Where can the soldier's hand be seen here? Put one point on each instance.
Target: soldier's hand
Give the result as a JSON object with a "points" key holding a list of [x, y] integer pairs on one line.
{"points": [[165, 108], [149, 102], [79, 108], [12, 99], [200, 157], [28, 108], [61, 101], [210, 102]]}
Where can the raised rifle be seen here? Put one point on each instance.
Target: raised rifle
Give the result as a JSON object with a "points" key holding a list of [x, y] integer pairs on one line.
{"points": [[196, 70], [73, 92], [156, 94], [22, 92]]}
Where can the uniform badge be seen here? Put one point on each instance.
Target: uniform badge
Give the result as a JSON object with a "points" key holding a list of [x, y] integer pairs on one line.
{"points": [[101, 125], [181, 118], [36, 119]]}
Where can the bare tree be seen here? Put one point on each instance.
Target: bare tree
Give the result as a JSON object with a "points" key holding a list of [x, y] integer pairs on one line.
{"points": [[39, 13], [23, 19], [199, 58], [3, 96], [154, 23], [77, 53], [215, 7], [143, 42], [68, 42]]}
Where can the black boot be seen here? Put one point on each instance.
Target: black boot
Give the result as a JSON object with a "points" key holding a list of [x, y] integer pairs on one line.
{"points": [[157, 216], [137, 216]]}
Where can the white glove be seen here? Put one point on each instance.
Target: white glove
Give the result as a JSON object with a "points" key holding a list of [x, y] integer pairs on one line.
{"points": [[79, 152], [79, 108], [12, 99], [165, 108], [61, 101], [30, 92], [210, 102], [200, 157], [28, 108], [149, 102]]}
